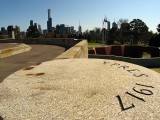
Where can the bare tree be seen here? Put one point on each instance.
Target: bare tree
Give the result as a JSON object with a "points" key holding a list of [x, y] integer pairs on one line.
{"points": [[120, 21]]}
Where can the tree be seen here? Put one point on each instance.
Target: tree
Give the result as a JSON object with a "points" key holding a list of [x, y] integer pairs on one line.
{"points": [[32, 32], [97, 34], [120, 21], [155, 41], [158, 28], [138, 28], [124, 32], [113, 35]]}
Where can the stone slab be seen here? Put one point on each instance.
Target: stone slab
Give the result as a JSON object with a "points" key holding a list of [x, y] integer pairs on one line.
{"points": [[86, 89]]}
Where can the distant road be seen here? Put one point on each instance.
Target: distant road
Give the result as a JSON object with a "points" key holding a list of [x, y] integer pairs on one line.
{"points": [[38, 54]]}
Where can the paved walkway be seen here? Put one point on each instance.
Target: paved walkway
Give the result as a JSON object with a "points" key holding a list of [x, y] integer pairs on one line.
{"points": [[38, 54]]}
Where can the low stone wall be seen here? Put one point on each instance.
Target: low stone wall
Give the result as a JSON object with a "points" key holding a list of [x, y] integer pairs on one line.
{"points": [[15, 50], [80, 50], [64, 42], [76, 48], [149, 62], [126, 51]]}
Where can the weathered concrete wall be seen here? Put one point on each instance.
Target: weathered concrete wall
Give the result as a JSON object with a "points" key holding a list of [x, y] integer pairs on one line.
{"points": [[64, 42], [77, 48], [150, 62], [15, 50], [80, 50]]}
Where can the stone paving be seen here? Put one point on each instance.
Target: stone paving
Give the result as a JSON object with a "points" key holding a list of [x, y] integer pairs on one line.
{"points": [[81, 89], [38, 54]]}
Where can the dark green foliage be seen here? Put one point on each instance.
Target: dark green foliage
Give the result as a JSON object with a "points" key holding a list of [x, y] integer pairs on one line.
{"points": [[158, 29], [155, 41], [138, 25], [32, 32], [138, 28]]}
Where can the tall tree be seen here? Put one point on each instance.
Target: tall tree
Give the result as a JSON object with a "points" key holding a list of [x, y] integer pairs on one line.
{"points": [[97, 34], [138, 28], [32, 32], [120, 21], [124, 32], [158, 28]]}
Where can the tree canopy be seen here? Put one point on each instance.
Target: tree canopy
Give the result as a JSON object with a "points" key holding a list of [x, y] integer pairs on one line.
{"points": [[138, 25], [32, 32]]}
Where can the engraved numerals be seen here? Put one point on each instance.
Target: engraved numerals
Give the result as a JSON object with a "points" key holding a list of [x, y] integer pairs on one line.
{"points": [[135, 89]]}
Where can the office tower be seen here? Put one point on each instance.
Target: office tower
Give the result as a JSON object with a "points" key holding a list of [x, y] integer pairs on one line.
{"points": [[4, 32], [35, 24], [79, 29], [2, 29], [31, 22], [114, 25], [39, 28], [62, 28], [17, 28], [49, 22], [108, 25], [72, 29]]}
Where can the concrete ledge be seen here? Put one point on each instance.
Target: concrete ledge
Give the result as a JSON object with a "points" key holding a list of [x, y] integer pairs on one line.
{"points": [[15, 50], [80, 50], [149, 62], [64, 42]]}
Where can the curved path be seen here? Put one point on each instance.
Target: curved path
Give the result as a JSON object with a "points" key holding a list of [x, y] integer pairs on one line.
{"points": [[38, 54]]}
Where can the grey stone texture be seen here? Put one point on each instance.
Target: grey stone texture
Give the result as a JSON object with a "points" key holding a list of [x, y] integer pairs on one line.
{"points": [[86, 89]]}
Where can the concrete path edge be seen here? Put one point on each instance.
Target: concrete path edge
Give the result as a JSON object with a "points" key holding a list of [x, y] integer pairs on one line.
{"points": [[15, 50]]}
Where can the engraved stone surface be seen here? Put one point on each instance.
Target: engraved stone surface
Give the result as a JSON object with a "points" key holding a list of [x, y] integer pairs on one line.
{"points": [[86, 89]]}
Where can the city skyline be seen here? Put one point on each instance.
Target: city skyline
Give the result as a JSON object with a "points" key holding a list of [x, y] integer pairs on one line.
{"points": [[89, 12]]}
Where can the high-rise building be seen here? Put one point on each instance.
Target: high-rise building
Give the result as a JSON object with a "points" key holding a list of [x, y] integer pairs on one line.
{"points": [[49, 22], [39, 28], [35, 24], [3, 30], [17, 28], [114, 25], [31, 22], [72, 29], [109, 25], [80, 29]]}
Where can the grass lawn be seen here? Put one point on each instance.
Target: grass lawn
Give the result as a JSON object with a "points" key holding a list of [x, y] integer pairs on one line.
{"points": [[90, 48], [155, 68], [145, 53], [92, 43]]}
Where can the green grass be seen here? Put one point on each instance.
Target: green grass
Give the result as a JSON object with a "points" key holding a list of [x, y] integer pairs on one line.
{"points": [[155, 68], [145, 53], [92, 43], [90, 48]]}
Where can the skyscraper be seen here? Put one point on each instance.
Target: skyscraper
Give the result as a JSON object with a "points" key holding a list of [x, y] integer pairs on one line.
{"points": [[39, 29], [35, 24], [114, 25], [49, 22], [79, 28], [108, 25], [31, 22]]}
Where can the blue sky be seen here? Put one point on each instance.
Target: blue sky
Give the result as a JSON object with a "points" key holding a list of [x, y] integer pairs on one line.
{"points": [[89, 12]]}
